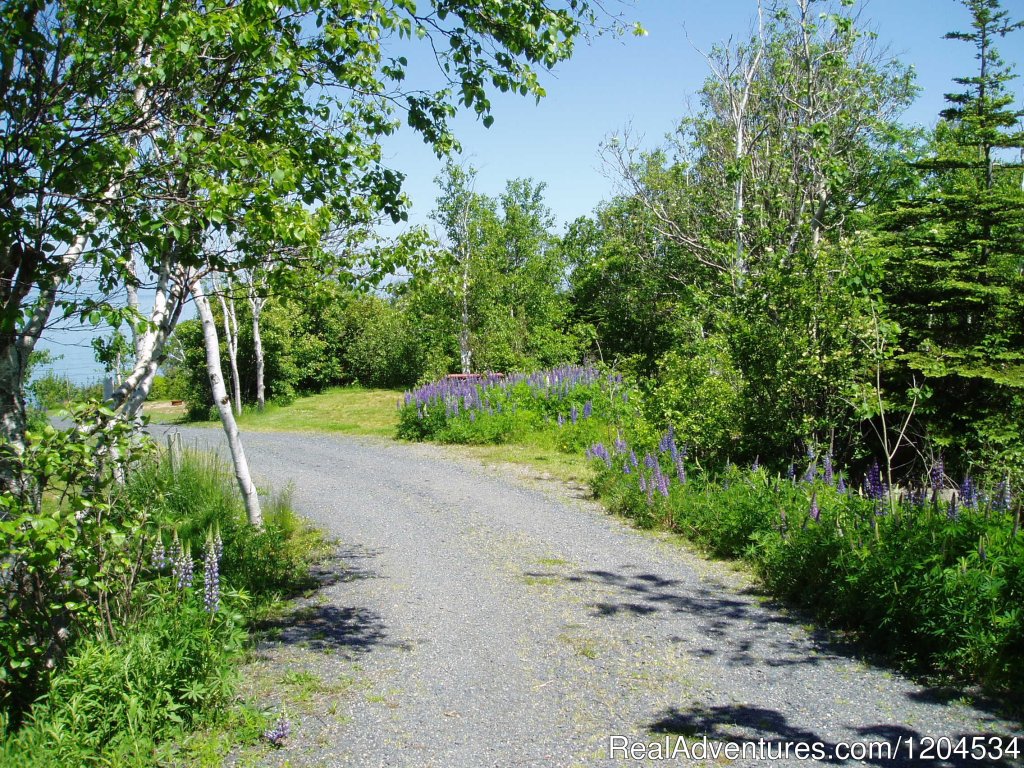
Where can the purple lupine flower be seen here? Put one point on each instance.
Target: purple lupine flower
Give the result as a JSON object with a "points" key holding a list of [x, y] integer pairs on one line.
{"points": [[681, 470], [632, 459], [574, 414], [840, 484], [874, 488], [211, 577], [159, 557], [756, 465], [588, 409], [829, 474], [791, 472], [183, 568], [783, 525], [649, 461], [561, 420], [662, 482], [809, 474], [969, 493], [938, 473], [174, 551], [952, 513], [281, 730], [815, 511], [626, 470], [641, 481], [620, 444]]}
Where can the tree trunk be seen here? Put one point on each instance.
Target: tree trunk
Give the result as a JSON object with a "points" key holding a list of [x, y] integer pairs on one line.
{"points": [[227, 305], [167, 305], [220, 397], [12, 415], [256, 303], [465, 352]]}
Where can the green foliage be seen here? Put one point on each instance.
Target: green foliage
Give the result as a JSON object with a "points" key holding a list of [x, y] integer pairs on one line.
{"points": [[74, 547], [953, 280], [107, 658], [700, 393], [118, 703]]}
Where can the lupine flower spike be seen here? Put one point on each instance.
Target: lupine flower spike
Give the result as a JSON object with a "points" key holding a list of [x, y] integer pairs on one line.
{"points": [[280, 732], [159, 556], [183, 568], [211, 576]]}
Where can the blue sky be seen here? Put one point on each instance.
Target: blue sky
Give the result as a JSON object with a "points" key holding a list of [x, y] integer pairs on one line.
{"points": [[648, 83]]}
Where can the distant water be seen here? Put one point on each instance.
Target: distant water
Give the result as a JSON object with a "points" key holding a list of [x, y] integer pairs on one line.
{"points": [[73, 353]]}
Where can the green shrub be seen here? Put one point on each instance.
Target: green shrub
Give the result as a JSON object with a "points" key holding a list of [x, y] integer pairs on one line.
{"points": [[72, 547]]}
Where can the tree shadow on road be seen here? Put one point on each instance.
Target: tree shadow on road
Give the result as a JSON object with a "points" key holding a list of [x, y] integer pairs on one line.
{"points": [[732, 628], [770, 731], [315, 622]]}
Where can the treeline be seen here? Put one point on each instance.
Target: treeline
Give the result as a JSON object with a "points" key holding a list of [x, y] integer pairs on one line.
{"points": [[795, 269]]}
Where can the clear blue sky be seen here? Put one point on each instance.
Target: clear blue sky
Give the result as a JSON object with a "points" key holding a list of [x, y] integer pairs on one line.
{"points": [[650, 83], [646, 82]]}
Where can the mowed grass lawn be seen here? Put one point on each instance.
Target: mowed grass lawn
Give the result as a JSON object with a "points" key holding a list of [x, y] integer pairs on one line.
{"points": [[350, 410], [374, 412]]}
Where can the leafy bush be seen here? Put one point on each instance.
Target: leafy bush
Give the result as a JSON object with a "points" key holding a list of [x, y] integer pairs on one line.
{"points": [[935, 580], [73, 547], [114, 637]]}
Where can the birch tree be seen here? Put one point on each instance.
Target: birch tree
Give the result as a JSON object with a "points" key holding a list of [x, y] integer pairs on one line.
{"points": [[223, 403]]}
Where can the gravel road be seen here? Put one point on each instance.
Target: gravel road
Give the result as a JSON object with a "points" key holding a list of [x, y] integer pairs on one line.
{"points": [[488, 618]]}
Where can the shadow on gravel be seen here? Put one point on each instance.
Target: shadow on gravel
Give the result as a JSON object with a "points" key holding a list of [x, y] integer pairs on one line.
{"points": [[769, 731], [326, 627], [732, 628]]}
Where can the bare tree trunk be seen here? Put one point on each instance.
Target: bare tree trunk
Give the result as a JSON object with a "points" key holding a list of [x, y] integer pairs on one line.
{"points": [[227, 305], [256, 304], [220, 397], [465, 353]]}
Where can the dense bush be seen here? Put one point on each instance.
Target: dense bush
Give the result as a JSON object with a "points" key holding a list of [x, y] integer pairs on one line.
{"points": [[114, 702], [933, 576]]}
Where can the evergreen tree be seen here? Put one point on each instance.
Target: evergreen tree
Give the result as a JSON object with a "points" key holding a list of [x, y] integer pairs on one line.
{"points": [[955, 269]]}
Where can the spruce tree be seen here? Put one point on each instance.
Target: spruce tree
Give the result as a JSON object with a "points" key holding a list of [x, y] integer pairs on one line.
{"points": [[955, 269]]}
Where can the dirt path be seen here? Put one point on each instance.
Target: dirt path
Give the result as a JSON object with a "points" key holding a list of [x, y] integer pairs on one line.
{"points": [[483, 622]]}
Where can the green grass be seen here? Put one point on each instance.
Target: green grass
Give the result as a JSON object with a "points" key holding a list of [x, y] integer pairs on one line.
{"points": [[538, 453], [348, 410]]}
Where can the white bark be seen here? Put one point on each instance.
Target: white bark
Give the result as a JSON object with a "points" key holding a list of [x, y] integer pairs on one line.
{"points": [[227, 305], [223, 402], [256, 305]]}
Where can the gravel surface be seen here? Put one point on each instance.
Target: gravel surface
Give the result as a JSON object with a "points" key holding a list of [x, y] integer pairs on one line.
{"points": [[489, 618]]}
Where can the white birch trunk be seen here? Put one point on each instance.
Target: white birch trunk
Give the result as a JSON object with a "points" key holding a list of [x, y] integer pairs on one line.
{"points": [[256, 304], [227, 305], [220, 397]]}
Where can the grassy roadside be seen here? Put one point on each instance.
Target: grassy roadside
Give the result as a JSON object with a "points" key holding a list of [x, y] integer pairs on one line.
{"points": [[373, 413]]}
